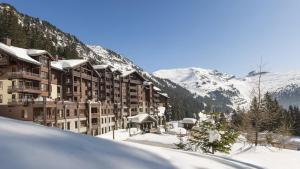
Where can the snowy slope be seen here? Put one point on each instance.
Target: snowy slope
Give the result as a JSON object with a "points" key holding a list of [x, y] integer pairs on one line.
{"points": [[29, 146], [239, 91], [113, 59], [246, 155]]}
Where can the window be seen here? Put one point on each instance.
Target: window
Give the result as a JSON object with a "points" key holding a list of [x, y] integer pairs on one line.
{"points": [[75, 113], [68, 113], [83, 123], [1, 85], [68, 125], [44, 75], [1, 98], [76, 124], [60, 113], [58, 90], [44, 87], [24, 114]]}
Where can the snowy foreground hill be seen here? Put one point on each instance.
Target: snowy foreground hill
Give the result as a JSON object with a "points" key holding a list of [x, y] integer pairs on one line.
{"points": [[233, 91], [30, 146]]}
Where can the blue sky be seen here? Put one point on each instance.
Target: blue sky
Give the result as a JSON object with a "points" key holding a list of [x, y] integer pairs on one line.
{"points": [[228, 35]]}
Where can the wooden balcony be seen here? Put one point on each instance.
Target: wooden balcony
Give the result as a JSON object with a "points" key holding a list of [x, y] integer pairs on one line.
{"points": [[95, 115], [133, 88], [24, 89], [133, 93], [15, 102], [117, 85], [24, 75], [72, 94], [135, 81], [133, 99]]}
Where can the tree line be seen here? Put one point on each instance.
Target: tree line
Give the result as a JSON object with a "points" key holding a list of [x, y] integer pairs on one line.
{"points": [[28, 32], [267, 121]]}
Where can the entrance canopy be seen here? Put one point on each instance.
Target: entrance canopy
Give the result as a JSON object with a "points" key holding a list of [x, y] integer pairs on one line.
{"points": [[141, 118]]}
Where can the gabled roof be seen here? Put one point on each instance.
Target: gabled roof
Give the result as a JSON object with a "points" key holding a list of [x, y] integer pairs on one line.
{"points": [[37, 52], [140, 118], [156, 88], [164, 94], [19, 53], [62, 64], [129, 72], [147, 83], [116, 70], [102, 66]]}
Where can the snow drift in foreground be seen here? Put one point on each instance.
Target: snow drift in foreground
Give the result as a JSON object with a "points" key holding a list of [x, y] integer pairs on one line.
{"points": [[30, 146]]}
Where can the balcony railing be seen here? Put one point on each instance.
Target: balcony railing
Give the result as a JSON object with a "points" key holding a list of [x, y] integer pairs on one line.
{"points": [[24, 89], [26, 75], [135, 81], [19, 101]]}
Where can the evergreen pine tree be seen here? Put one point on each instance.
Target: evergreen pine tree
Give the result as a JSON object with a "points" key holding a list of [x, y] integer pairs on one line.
{"points": [[211, 136]]}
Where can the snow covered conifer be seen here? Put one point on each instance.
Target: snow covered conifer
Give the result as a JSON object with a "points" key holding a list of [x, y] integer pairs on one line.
{"points": [[211, 135]]}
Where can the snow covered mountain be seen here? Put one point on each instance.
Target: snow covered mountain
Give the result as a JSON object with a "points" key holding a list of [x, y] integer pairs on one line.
{"points": [[231, 91], [30, 32]]}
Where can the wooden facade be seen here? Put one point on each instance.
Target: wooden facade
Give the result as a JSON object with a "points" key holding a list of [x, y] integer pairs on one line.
{"points": [[71, 94]]}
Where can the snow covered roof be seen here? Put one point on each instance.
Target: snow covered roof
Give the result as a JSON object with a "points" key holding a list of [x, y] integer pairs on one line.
{"points": [[116, 70], [156, 88], [189, 121], [19, 53], [101, 66], [140, 118], [61, 64], [127, 72], [36, 52], [147, 83], [164, 94]]}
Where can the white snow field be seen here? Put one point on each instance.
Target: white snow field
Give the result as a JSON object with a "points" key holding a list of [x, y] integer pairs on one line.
{"points": [[259, 157], [25, 145]]}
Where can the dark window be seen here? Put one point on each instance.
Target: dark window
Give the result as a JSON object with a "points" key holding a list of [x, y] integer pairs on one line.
{"points": [[68, 125], [76, 124]]}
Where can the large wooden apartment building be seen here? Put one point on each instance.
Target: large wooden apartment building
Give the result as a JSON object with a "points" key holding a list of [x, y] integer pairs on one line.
{"points": [[72, 94]]}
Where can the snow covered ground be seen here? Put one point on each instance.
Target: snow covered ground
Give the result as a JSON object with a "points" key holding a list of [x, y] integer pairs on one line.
{"points": [[30, 146], [120, 135]]}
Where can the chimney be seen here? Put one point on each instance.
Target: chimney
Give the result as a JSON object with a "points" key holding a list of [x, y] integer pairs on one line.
{"points": [[7, 41]]}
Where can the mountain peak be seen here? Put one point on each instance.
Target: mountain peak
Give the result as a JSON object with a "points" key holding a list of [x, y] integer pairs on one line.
{"points": [[228, 90]]}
